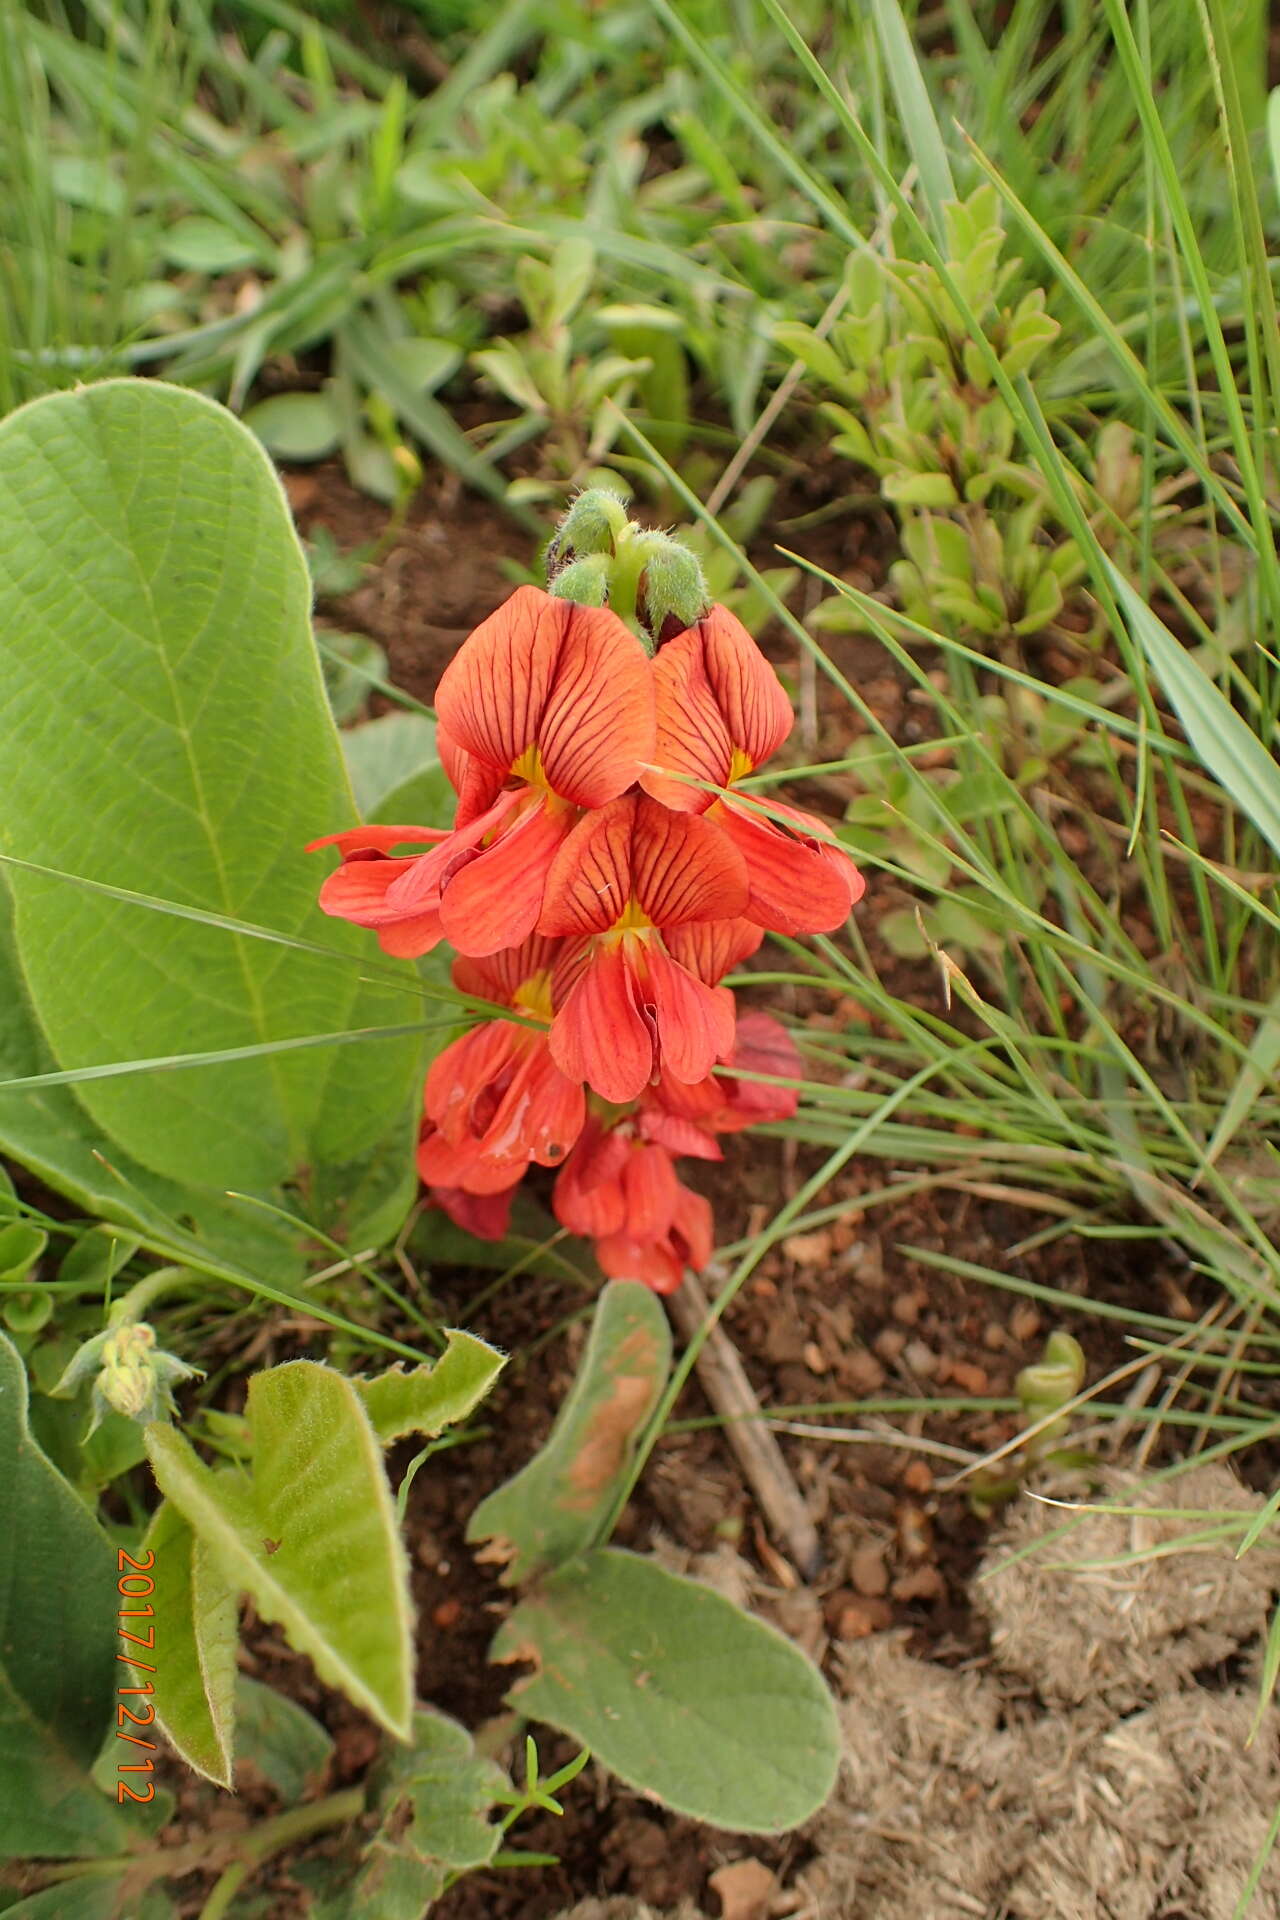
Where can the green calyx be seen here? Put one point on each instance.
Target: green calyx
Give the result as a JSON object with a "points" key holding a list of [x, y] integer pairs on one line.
{"points": [[598, 557]]}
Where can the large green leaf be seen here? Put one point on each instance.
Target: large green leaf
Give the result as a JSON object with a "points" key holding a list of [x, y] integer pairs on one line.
{"points": [[677, 1690], [312, 1535], [58, 1669], [553, 1508], [163, 728], [47, 1130]]}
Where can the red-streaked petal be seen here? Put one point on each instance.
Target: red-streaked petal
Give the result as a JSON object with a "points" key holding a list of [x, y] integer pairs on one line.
{"points": [[466, 1165], [798, 884], [677, 1134], [421, 881], [358, 890], [411, 937], [694, 1021], [713, 948], [760, 1045], [683, 868], [597, 729], [541, 1113], [498, 976], [694, 1226], [487, 1216], [692, 737], [476, 784], [651, 1189], [493, 901], [587, 1197], [749, 694], [589, 884], [492, 693], [465, 1069], [377, 839], [601, 1033], [655, 1262], [570, 680]]}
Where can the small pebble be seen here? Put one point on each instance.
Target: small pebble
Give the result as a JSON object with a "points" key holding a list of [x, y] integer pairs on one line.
{"points": [[922, 1583], [906, 1309], [868, 1571], [969, 1378], [861, 1618], [922, 1360], [889, 1344], [1024, 1323], [917, 1477]]}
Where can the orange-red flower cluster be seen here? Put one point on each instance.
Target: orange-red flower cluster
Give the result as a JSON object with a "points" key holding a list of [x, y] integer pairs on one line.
{"points": [[603, 874]]}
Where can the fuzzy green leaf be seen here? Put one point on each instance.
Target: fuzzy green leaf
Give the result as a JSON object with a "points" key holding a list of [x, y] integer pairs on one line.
{"points": [[312, 1537], [428, 1399], [196, 1620], [58, 1668], [677, 1690], [553, 1508], [156, 647]]}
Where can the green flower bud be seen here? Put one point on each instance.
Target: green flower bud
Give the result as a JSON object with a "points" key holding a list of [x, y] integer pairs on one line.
{"points": [[672, 593], [591, 526], [586, 581], [135, 1377]]}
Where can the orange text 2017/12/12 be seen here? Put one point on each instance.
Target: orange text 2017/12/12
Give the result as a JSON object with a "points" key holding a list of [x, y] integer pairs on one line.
{"points": [[135, 1711]]}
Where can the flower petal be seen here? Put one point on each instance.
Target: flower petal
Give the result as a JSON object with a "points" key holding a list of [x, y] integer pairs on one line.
{"points": [[587, 1197], [694, 1225], [801, 882], [377, 839], [598, 727], [712, 948], [651, 1189], [466, 1069], [358, 891], [654, 1262], [487, 1216], [694, 1021], [541, 1113], [570, 680], [493, 900], [589, 884], [602, 1034], [682, 868], [692, 737], [499, 976], [476, 784], [749, 694]]}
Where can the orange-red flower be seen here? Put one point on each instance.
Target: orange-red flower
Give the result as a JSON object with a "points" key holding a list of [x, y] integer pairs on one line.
{"points": [[721, 711], [495, 1100], [630, 884], [623, 1193], [486, 1215], [546, 708], [687, 1119], [358, 889]]}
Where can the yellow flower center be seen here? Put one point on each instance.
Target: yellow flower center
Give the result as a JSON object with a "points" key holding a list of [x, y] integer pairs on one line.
{"points": [[533, 995], [529, 768], [633, 919], [739, 764]]}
